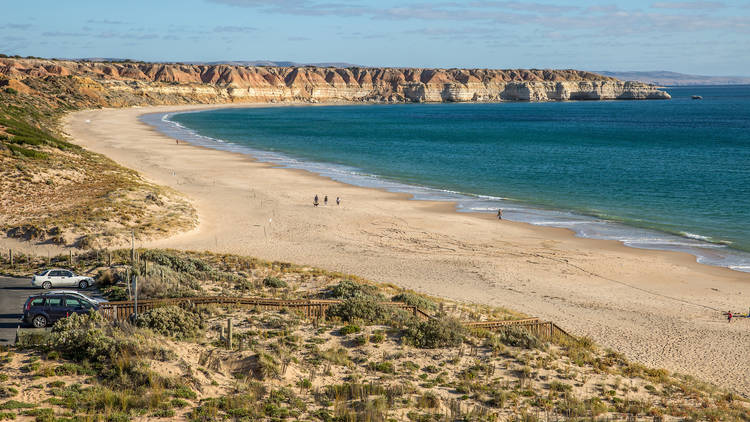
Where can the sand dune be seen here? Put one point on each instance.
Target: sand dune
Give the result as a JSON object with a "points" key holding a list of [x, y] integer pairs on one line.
{"points": [[659, 308]]}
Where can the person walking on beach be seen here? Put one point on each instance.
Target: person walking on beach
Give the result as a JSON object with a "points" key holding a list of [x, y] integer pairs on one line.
{"points": [[325, 200], [729, 317], [500, 214], [315, 201], [338, 201]]}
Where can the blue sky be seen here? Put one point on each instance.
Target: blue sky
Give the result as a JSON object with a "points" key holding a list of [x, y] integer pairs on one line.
{"points": [[705, 37]]}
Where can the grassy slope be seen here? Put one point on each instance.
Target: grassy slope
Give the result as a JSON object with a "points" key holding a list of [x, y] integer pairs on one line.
{"points": [[52, 190], [360, 365]]}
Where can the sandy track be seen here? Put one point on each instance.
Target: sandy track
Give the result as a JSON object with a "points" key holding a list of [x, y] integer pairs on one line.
{"points": [[659, 308]]}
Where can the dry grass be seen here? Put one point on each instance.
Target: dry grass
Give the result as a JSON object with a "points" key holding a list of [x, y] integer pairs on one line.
{"points": [[53, 191], [282, 366]]}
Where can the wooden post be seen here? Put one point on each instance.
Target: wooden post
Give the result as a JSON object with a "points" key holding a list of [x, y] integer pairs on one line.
{"points": [[132, 248], [10, 256], [70, 258], [128, 282], [135, 294], [229, 334]]}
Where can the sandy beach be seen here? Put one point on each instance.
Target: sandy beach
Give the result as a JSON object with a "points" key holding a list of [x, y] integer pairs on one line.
{"points": [[658, 308]]}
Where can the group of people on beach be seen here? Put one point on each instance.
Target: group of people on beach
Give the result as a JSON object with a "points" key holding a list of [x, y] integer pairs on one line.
{"points": [[316, 201]]}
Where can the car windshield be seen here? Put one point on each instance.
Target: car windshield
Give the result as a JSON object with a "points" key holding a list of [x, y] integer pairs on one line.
{"points": [[43, 272]]}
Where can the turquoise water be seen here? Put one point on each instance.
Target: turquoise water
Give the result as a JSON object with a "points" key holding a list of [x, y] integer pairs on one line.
{"points": [[655, 174]]}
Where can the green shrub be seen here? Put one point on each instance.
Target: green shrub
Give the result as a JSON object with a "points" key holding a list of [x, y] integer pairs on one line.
{"points": [[171, 321], [274, 282], [377, 337], [363, 309], [415, 300], [28, 153], [7, 415], [11, 91], [360, 340], [348, 289], [7, 391], [518, 337], [435, 332], [177, 263], [81, 337], [115, 293], [560, 387], [386, 367], [14, 404], [349, 329]]}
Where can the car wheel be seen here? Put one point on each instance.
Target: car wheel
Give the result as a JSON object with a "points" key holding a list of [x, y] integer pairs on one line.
{"points": [[83, 284], [39, 321], [46, 285]]}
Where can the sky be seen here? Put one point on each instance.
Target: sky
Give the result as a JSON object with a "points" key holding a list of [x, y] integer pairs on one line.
{"points": [[700, 37]]}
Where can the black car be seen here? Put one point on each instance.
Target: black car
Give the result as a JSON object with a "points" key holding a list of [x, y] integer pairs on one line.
{"points": [[43, 310]]}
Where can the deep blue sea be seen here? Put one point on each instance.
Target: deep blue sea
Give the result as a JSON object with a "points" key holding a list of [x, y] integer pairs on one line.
{"points": [[669, 174]]}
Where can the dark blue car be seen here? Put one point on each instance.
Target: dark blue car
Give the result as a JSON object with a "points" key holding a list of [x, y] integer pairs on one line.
{"points": [[43, 310]]}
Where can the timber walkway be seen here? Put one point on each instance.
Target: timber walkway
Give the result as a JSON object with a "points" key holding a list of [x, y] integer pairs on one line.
{"points": [[316, 309]]}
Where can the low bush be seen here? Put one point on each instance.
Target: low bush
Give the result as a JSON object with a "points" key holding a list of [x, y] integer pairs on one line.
{"points": [[182, 264], [349, 329], [377, 337], [274, 282], [415, 300], [83, 337], [171, 321], [7, 391], [518, 337], [435, 332], [361, 309], [348, 289], [115, 293]]}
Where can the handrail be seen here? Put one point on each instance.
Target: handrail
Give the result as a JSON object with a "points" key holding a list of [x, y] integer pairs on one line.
{"points": [[316, 308]]}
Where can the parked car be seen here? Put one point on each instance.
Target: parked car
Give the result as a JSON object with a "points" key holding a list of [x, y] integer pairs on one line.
{"points": [[95, 300], [56, 277], [46, 309]]}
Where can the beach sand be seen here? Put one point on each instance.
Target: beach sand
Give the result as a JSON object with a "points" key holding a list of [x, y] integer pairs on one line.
{"points": [[658, 308]]}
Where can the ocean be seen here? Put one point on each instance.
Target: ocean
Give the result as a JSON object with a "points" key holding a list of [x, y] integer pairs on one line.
{"points": [[671, 175]]}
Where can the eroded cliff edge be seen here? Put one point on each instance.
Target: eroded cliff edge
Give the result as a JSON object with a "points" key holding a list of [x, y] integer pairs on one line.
{"points": [[129, 83]]}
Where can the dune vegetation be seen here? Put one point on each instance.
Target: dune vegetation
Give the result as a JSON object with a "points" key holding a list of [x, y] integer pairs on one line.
{"points": [[363, 362]]}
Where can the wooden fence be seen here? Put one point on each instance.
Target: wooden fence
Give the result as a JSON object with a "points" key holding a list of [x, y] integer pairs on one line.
{"points": [[310, 308], [543, 329], [315, 309]]}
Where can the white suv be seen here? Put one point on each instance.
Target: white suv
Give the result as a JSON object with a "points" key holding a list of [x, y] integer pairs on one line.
{"points": [[60, 278]]}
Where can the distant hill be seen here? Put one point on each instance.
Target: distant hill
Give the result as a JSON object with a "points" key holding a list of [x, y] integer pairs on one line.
{"points": [[270, 63], [662, 77]]}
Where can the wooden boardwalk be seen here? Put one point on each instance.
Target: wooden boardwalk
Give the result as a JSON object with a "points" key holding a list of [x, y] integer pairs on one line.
{"points": [[316, 309]]}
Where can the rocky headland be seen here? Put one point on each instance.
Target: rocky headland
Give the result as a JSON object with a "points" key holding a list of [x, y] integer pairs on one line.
{"points": [[131, 83]]}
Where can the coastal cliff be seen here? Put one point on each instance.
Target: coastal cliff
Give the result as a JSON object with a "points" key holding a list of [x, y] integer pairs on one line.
{"points": [[128, 83]]}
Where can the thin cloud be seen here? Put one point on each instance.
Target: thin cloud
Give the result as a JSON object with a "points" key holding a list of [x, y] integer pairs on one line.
{"points": [[104, 22], [688, 5], [18, 25], [63, 34], [235, 29]]}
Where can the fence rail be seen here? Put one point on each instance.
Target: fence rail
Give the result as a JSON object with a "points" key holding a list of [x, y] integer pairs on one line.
{"points": [[542, 329], [315, 309], [310, 308]]}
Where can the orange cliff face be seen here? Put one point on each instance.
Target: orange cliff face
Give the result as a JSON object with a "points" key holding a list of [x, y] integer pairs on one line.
{"points": [[128, 83]]}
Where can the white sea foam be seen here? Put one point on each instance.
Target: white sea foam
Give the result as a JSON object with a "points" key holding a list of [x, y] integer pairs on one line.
{"points": [[707, 252]]}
